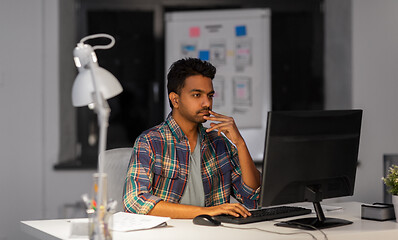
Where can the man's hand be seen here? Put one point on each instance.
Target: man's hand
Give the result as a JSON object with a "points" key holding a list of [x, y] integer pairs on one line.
{"points": [[226, 125], [176, 210], [234, 209]]}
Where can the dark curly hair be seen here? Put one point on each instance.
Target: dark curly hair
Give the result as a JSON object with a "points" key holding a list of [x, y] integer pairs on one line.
{"points": [[184, 68]]}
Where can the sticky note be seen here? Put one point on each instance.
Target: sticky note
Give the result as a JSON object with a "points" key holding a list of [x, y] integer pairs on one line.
{"points": [[241, 91], [194, 32], [240, 31], [204, 55], [189, 48]]}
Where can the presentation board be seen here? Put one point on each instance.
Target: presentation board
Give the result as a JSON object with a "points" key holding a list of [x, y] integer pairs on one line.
{"points": [[237, 43]]}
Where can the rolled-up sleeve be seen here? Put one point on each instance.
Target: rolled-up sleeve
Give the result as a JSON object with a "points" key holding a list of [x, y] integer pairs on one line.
{"points": [[138, 195], [242, 192]]}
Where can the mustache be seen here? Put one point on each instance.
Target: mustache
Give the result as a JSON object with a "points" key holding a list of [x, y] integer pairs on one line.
{"points": [[206, 109]]}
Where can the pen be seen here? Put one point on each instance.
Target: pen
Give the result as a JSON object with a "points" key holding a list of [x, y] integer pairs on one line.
{"points": [[86, 200]]}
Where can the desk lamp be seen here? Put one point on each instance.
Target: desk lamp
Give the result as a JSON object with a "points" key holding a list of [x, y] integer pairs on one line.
{"points": [[92, 87]]}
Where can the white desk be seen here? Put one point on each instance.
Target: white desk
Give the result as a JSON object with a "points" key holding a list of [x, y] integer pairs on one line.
{"points": [[185, 229]]}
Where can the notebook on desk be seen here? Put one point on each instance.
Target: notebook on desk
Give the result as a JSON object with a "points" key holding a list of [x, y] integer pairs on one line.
{"points": [[124, 222]]}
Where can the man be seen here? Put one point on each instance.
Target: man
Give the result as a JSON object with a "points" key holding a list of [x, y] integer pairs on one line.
{"points": [[179, 169]]}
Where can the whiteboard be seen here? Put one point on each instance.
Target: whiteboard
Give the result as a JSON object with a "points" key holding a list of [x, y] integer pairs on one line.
{"points": [[237, 43]]}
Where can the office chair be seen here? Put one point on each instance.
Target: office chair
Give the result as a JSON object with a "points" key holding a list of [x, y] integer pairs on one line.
{"points": [[115, 166]]}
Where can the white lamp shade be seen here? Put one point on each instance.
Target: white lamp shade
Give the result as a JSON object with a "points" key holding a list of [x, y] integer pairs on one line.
{"points": [[83, 88]]}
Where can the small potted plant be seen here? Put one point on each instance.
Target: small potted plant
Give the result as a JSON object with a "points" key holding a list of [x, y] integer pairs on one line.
{"points": [[391, 181]]}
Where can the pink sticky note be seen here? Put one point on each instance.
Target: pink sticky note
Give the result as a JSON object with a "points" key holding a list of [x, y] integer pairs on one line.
{"points": [[194, 32], [241, 93]]}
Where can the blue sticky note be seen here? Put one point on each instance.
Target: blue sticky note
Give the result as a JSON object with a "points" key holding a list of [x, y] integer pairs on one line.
{"points": [[240, 31], [204, 55], [189, 48]]}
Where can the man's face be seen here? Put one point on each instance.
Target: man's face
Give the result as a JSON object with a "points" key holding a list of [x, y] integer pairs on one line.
{"points": [[195, 99]]}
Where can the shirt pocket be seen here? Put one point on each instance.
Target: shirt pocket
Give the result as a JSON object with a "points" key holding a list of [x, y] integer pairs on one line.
{"points": [[218, 171], [165, 168], [165, 180]]}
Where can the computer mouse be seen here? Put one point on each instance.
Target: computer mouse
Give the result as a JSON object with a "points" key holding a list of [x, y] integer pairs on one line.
{"points": [[206, 220]]}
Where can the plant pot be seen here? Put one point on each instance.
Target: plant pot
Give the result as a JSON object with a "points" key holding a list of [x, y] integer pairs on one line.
{"points": [[395, 202]]}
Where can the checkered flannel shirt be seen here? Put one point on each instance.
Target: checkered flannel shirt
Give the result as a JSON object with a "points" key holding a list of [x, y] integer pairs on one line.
{"points": [[158, 169]]}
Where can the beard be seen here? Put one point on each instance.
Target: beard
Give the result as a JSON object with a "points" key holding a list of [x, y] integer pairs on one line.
{"points": [[203, 112]]}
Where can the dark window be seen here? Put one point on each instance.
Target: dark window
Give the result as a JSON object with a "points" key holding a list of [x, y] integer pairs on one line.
{"points": [[132, 61], [297, 60]]}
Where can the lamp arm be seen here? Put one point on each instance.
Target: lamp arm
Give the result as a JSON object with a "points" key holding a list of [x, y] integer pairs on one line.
{"points": [[103, 121], [103, 110]]}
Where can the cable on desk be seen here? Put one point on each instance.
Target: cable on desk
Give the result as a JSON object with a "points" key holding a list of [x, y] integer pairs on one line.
{"points": [[307, 226], [267, 231]]}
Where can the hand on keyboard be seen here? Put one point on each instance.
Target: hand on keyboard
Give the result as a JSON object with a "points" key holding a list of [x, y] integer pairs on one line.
{"points": [[265, 214], [229, 209]]}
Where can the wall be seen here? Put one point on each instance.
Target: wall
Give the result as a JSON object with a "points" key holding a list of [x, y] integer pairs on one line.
{"points": [[361, 56], [21, 118], [338, 51], [374, 89], [30, 90]]}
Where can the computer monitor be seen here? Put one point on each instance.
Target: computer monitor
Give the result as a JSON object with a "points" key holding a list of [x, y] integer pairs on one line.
{"points": [[310, 156]]}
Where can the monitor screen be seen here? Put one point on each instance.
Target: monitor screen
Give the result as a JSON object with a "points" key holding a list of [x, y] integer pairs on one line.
{"points": [[310, 156]]}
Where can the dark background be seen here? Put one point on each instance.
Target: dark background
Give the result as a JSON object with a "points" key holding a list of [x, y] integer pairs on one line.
{"points": [[137, 61]]}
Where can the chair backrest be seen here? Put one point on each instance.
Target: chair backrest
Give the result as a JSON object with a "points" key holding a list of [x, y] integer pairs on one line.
{"points": [[115, 165]]}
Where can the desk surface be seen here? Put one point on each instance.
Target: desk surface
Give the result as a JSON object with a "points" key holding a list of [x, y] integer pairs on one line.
{"points": [[185, 229]]}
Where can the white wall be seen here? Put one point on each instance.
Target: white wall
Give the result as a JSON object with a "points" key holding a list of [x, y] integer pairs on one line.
{"points": [[21, 118], [375, 89], [30, 118]]}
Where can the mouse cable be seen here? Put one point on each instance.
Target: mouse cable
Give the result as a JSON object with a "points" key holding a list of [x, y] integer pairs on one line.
{"points": [[307, 226], [267, 231]]}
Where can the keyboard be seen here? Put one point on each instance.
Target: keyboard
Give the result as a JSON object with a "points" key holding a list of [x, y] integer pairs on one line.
{"points": [[265, 214]]}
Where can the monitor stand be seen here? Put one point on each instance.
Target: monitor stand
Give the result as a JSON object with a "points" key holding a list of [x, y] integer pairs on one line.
{"points": [[318, 222]]}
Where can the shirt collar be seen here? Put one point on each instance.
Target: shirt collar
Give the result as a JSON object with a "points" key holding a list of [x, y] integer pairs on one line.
{"points": [[175, 129]]}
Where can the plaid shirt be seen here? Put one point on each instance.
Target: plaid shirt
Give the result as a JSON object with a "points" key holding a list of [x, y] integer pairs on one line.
{"points": [[158, 169]]}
